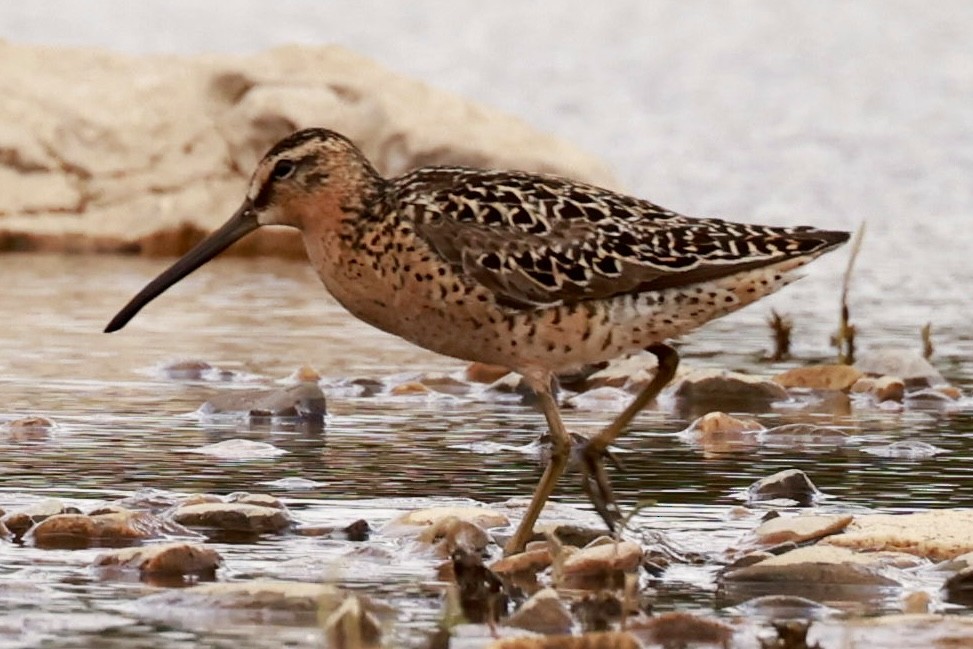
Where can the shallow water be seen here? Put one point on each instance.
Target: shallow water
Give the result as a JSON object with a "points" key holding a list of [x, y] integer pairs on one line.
{"points": [[122, 426]]}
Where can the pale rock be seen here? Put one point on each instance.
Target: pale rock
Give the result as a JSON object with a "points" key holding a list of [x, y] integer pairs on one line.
{"points": [[822, 564], [820, 377], [906, 364], [105, 151], [165, 558], [479, 516], [938, 535], [800, 529], [544, 612], [624, 556]]}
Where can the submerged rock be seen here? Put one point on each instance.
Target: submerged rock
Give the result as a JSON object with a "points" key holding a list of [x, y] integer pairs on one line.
{"points": [[104, 530], [910, 366], [530, 561], [792, 484], [881, 389], [233, 517], [164, 559], [908, 449], [820, 377], [239, 449], [447, 535], [304, 400]]}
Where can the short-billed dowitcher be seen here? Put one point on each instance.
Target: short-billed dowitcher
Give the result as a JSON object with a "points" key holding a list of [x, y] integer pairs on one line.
{"points": [[536, 273]]}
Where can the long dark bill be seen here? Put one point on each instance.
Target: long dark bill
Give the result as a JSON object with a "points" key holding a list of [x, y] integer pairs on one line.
{"points": [[239, 225]]}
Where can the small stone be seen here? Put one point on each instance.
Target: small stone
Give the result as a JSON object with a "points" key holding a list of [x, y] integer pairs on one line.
{"points": [[264, 500], [30, 424], [444, 383], [715, 424], [819, 564], [888, 388], [484, 373], [792, 484], [21, 520], [679, 629], [722, 390], [450, 533], [199, 499], [350, 626], [356, 532], [290, 597], [625, 556], [527, 562], [907, 364], [918, 602], [800, 529], [239, 449], [907, 449], [68, 531], [544, 612], [596, 640], [304, 374], [186, 370], [164, 559], [479, 516], [409, 389], [233, 517], [820, 377], [303, 400]]}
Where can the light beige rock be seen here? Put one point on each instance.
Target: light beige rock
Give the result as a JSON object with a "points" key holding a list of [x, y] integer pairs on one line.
{"points": [[350, 626], [714, 424], [799, 529], [823, 564], [820, 377], [907, 364], [544, 612], [164, 558], [479, 516], [938, 535], [450, 534], [104, 151], [625, 556], [290, 596], [529, 561]]}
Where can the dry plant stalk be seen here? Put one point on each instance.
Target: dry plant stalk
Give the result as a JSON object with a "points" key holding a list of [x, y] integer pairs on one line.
{"points": [[927, 347], [782, 326], [844, 339]]}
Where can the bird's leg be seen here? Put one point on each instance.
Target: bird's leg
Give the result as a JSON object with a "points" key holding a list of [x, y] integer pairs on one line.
{"points": [[596, 482], [540, 383]]}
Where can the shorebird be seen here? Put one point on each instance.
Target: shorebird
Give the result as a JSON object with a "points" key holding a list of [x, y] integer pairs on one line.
{"points": [[536, 273]]}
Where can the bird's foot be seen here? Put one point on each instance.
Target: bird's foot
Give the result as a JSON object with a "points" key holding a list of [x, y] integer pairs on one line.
{"points": [[590, 457]]}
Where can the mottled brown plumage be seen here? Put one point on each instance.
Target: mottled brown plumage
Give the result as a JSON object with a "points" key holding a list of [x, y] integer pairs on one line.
{"points": [[536, 273]]}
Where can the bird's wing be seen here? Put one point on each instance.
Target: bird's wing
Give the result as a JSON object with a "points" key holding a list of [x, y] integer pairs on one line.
{"points": [[536, 241]]}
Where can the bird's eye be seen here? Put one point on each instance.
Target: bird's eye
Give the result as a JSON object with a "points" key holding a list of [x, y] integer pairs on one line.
{"points": [[283, 169]]}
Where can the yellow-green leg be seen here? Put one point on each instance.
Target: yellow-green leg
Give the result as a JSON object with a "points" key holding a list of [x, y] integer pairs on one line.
{"points": [[560, 452], [596, 482]]}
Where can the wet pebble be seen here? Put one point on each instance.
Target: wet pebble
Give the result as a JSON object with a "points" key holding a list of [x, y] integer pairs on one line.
{"points": [[601, 398], [820, 377], [357, 531], [350, 626], [709, 390], [821, 564], [602, 559], [790, 484], [105, 530], [480, 516], [186, 370], [882, 389], [164, 559], [239, 449], [447, 535], [304, 400], [484, 373], [799, 529], [543, 612], [233, 517], [294, 484], [905, 449], [531, 561], [597, 640], [20, 520], [680, 629]]}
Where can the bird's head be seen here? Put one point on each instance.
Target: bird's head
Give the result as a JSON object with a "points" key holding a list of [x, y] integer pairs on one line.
{"points": [[312, 176]]}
